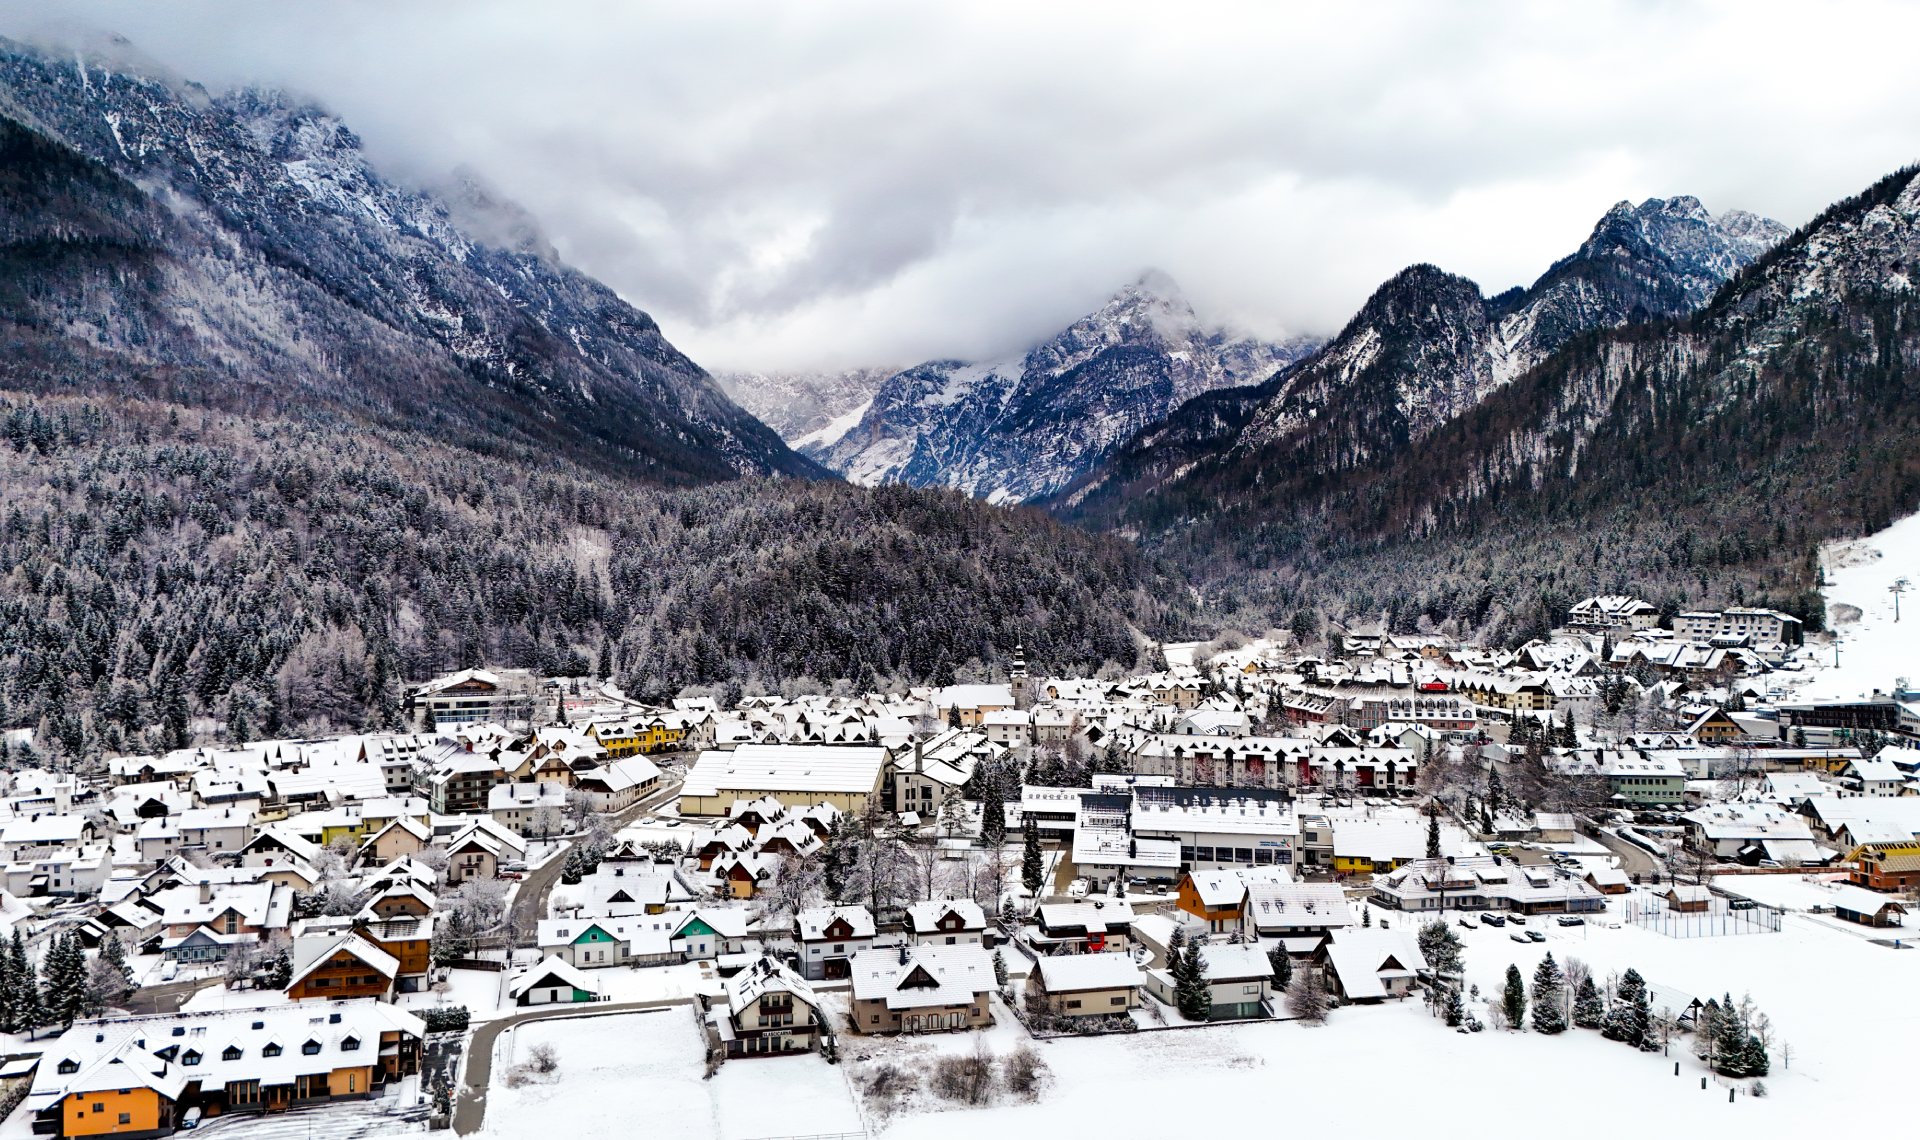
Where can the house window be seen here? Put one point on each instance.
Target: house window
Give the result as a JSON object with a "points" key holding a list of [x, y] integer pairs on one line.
{"points": [[69, 1066], [270, 1051], [1073, 1003], [350, 1044], [1120, 1000], [190, 1057], [231, 1053], [310, 1048], [99, 1106], [126, 1118]]}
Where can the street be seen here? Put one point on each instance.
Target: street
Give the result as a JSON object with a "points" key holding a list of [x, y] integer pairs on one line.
{"points": [[530, 901]]}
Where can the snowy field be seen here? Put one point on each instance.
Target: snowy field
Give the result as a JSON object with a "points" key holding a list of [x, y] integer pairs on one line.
{"points": [[1874, 649], [632, 1074]]}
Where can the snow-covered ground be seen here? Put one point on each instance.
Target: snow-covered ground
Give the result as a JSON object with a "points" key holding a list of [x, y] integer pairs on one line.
{"points": [[1874, 650], [627, 1073]]}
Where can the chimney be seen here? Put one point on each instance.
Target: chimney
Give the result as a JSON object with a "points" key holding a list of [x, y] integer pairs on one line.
{"points": [[206, 890], [903, 953]]}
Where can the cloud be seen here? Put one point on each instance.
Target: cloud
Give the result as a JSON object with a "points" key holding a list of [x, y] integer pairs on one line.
{"points": [[811, 185]]}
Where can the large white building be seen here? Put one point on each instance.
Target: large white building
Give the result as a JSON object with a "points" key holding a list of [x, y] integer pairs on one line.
{"points": [[848, 777]]}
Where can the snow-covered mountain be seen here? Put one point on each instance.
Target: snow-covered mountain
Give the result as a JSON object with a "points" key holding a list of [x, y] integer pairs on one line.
{"points": [[1019, 429], [239, 250], [1428, 346], [806, 408]]}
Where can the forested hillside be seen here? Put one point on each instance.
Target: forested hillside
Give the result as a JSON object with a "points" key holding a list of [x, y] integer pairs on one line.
{"points": [[163, 563], [239, 252], [1699, 460]]}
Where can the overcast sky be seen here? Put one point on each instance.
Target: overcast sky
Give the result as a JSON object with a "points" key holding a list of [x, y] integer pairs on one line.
{"points": [[814, 185]]}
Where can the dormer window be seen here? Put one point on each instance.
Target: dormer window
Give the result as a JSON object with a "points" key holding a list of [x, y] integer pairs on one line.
{"points": [[350, 1044], [190, 1057], [231, 1053], [68, 1066], [272, 1050], [310, 1048]]}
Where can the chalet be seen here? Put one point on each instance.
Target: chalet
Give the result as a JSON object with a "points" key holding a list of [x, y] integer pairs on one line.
{"points": [[1300, 916], [1088, 985], [137, 1076], [327, 967], [947, 922], [1092, 927], [553, 982], [535, 809], [923, 989], [1372, 965], [619, 784], [709, 846], [829, 937], [937, 767], [741, 876], [401, 837], [1239, 979], [768, 1010], [752, 815], [408, 939], [478, 850], [1714, 726]]}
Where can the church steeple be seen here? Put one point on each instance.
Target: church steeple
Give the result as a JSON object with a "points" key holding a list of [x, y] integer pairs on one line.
{"points": [[1018, 676]]}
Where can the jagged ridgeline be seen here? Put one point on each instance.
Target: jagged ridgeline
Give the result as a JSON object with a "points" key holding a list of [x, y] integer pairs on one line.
{"points": [[1697, 458], [239, 252], [165, 563]]}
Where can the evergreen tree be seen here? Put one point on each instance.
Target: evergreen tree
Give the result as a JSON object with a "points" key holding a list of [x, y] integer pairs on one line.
{"points": [[1440, 946], [999, 970], [1366, 915], [1513, 1001], [9, 992], [22, 993], [1628, 1019], [1282, 967], [1032, 869], [1549, 986], [993, 815], [1589, 1008], [66, 979], [1191, 992], [1433, 831], [280, 969], [1454, 1008]]}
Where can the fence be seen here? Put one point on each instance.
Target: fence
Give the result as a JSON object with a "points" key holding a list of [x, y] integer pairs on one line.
{"points": [[1717, 922]]}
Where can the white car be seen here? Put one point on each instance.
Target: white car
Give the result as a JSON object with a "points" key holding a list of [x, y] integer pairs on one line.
{"points": [[169, 970]]}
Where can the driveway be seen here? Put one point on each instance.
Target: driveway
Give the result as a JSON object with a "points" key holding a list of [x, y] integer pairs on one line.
{"points": [[470, 1105]]}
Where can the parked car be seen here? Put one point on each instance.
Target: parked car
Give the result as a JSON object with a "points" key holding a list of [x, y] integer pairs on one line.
{"points": [[1571, 920], [169, 970], [1517, 919], [1535, 936], [1742, 904], [513, 875], [1490, 919], [1077, 889], [1521, 936], [1467, 921]]}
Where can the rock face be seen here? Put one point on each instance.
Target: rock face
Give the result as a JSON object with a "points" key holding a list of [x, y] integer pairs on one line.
{"points": [[239, 251], [806, 408], [1428, 346], [1021, 429]]}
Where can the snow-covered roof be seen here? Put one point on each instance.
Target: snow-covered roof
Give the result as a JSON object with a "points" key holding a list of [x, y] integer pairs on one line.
{"points": [[1364, 959], [789, 768], [1061, 973], [915, 978]]}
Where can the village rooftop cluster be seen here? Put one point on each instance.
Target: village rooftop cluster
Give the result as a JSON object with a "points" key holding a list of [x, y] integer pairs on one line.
{"points": [[1254, 831]]}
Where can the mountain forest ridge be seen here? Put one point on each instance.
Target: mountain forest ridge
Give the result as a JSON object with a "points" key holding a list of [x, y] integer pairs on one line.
{"points": [[278, 433]]}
